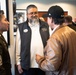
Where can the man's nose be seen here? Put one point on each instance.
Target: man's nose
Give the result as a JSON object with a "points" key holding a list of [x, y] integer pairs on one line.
{"points": [[8, 22], [34, 14]]}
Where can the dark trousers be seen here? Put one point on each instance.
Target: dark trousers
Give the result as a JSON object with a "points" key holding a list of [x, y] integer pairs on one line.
{"points": [[33, 71]]}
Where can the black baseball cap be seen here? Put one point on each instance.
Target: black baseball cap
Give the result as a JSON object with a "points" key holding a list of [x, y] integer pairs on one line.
{"points": [[55, 12]]}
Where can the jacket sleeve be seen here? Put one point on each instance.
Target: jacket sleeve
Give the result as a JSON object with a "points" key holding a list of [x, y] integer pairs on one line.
{"points": [[18, 45], [2, 69], [52, 56]]}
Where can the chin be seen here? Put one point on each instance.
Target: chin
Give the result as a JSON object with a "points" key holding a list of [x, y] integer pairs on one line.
{"points": [[6, 30]]}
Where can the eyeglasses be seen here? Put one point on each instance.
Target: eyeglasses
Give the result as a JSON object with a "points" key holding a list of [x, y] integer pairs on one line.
{"points": [[31, 13]]}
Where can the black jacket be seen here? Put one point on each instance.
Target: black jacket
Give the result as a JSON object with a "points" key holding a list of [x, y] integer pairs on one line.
{"points": [[5, 64], [72, 26]]}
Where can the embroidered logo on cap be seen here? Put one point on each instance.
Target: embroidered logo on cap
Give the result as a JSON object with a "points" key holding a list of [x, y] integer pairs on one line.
{"points": [[49, 14]]}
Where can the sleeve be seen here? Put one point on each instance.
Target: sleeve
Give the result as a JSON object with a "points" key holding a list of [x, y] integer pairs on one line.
{"points": [[2, 69], [52, 56], [18, 47]]}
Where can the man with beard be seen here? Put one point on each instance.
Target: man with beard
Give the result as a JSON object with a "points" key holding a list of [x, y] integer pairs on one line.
{"points": [[31, 39]]}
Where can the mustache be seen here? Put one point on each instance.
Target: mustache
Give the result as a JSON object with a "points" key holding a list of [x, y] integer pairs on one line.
{"points": [[34, 17]]}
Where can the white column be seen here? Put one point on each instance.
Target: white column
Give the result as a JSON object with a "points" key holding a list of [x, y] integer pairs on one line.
{"points": [[11, 32]]}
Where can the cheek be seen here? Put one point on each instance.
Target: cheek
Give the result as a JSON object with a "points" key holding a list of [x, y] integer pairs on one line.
{"points": [[28, 16], [48, 21], [5, 24], [37, 15]]}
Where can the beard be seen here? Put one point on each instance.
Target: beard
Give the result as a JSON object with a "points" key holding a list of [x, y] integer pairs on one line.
{"points": [[34, 20]]}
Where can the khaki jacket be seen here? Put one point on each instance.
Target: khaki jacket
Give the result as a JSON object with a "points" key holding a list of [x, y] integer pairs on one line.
{"points": [[60, 53]]}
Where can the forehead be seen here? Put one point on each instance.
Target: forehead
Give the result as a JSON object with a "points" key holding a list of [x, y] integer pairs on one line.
{"points": [[32, 9]]}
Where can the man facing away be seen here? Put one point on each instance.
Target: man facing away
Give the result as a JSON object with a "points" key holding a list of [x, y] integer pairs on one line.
{"points": [[31, 38], [5, 63], [60, 51], [68, 21]]}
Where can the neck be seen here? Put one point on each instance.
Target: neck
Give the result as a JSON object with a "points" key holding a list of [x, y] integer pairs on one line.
{"points": [[54, 26]]}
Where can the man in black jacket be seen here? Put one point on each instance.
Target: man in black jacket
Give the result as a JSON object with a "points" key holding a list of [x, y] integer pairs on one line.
{"points": [[32, 36], [5, 64], [68, 21]]}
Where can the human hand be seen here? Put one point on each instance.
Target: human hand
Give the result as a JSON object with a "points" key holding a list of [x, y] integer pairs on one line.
{"points": [[38, 57], [20, 69]]}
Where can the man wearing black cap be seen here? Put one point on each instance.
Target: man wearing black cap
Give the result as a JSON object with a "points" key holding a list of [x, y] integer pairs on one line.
{"points": [[60, 51]]}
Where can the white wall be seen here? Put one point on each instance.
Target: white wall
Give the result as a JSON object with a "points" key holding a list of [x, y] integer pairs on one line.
{"points": [[43, 5]]}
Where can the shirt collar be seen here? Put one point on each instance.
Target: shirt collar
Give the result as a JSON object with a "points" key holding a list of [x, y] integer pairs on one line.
{"points": [[54, 29]]}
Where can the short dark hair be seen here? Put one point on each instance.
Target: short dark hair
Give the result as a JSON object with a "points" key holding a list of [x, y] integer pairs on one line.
{"points": [[30, 6], [58, 21], [68, 18], [1, 13]]}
